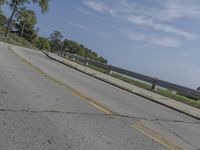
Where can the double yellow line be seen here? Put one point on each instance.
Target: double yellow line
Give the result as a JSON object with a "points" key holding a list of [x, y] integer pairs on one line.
{"points": [[138, 125]]}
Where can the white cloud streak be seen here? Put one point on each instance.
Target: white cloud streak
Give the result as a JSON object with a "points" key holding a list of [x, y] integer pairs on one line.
{"points": [[150, 40], [166, 42], [173, 9], [151, 17], [160, 27], [100, 33]]}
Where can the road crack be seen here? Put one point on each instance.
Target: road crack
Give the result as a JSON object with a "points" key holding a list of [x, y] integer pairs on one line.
{"points": [[96, 114]]}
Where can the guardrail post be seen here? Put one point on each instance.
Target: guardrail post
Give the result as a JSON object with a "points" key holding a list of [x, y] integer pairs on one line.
{"points": [[154, 86], [86, 63], [73, 58], [109, 71]]}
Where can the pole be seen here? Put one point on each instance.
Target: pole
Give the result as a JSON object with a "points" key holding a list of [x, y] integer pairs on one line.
{"points": [[22, 33]]}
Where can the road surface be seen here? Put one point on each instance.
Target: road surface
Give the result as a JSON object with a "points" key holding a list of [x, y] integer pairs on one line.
{"points": [[46, 105]]}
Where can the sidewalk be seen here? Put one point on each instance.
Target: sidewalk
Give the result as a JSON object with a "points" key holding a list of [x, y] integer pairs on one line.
{"points": [[170, 103]]}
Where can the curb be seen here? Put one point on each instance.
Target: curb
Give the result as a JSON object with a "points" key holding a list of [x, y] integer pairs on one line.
{"points": [[128, 90]]}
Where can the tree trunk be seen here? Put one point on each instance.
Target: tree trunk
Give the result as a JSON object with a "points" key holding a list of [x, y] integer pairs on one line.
{"points": [[22, 33], [10, 19]]}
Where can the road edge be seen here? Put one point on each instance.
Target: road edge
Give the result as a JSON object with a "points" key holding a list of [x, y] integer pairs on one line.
{"points": [[126, 89]]}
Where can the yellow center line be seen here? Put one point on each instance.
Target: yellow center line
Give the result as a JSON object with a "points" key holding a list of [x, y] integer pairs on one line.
{"points": [[156, 136], [138, 126]]}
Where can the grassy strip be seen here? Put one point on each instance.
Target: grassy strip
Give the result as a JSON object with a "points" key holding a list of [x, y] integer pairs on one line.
{"points": [[131, 81], [180, 98], [14, 39], [166, 93], [93, 67], [163, 92], [98, 69]]}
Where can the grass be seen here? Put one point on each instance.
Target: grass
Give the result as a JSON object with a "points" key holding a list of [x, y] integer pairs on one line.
{"points": [[14, 39], [98, 69], [180, 98], [131, 81], [164, 92], [102, 70]]}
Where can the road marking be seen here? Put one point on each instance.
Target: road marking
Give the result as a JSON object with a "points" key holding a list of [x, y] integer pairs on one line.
{"points": [[74, 92], [138, 126], [156, 136]]}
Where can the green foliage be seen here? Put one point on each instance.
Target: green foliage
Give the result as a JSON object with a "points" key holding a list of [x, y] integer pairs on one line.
{"points": [[184, 99], [56, 35], [43, 4], [25, 25], [132, 81], [42, 43], [27, 17], [198, 88], [2, 2], [56, 41], [3, 19], [16, 5], [30, 35], [164, 92], [79, 49]]}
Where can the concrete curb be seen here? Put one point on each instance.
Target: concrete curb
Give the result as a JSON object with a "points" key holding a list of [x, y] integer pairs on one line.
{"points": [[188, 113]]}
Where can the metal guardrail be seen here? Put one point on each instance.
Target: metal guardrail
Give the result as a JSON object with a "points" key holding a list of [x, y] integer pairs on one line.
{"points": [[154, 81]]}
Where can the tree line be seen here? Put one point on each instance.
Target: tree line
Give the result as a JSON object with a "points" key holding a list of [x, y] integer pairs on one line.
{"points": [[22, 22]]}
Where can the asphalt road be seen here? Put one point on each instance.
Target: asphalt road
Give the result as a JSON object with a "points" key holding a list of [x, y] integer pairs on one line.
{"points": [[56, 110]]}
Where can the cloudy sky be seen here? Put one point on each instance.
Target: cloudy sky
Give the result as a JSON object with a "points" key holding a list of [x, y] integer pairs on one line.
{"points": [[160, 38]]}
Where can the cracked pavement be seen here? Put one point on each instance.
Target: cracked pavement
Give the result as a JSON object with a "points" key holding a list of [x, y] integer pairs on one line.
{"points": [[38, 113]]}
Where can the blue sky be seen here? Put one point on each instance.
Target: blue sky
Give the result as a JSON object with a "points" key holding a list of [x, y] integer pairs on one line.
{"points": [[159, 38]]}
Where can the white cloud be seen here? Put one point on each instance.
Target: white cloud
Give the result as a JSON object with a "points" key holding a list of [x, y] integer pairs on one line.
{"points": [[166, 41], [100, 33], [151, 17], [85, 12], [135, 36], [152, 40], [173, 9], [96, 18], [160, 27], [98, 6]]}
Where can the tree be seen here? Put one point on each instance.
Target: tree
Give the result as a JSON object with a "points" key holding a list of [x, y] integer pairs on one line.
{"points": [[56, 35], [56, 41], [70, 46], [26, 20], [79, 49], [2, 2], [42, 43], [15, 5], [3, 19]]}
